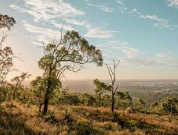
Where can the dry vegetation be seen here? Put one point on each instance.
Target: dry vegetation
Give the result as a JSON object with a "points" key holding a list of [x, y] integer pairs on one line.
{"points": [[46, 108], [19, 119]]}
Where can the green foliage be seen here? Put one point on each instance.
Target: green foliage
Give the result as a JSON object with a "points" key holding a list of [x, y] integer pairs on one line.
{"points": [[17, 87], [38, 87], [6, 57], [123, 100], [106, 101], [6, 62], [19, 79], [72, 49], [71, 53], [6, 21], [67, 114], [6, 53], [100, 89], [83, 128], [18, 118], [87, 100], [141, 105], [170, 105], [4, 91], [69, 99], [141, 102]]}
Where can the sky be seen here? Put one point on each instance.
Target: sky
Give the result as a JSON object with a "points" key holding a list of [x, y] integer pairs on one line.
{"points": [[142, 34]]}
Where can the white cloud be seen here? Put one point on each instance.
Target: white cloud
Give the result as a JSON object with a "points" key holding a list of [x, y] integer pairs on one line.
{"points": [[37, 16], [162, 59], [116, 44], [173, 3], [48, 9], [134, 57], [76, 22], [40, 34], [130, 52], [135, 11], [107, 9], [164, 54], [126, 49], [143, 62], [121, 6], [102, 7], [64, 26], [98, 33], [151, 62], [158, 22]]}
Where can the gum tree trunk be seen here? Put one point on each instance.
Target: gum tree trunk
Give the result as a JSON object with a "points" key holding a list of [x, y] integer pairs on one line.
{"points": [[46, 99], [113, 101]]}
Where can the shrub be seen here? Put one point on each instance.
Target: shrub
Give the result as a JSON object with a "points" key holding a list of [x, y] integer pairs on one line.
{"points": [[169, 106], [69, 99]]}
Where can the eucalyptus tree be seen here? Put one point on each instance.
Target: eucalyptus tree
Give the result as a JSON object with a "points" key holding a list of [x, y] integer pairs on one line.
{"points": [[70, 53], [141, 104], [6, 53], [38, 87], [106, 102], [124, 99], [170, 105], [87, 100], [18, 86], [6, 21], [114, 87], [100, 89], [6, 62]]}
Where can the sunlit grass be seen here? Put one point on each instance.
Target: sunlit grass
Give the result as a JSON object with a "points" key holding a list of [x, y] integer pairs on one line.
{"points": [[19, 119]]}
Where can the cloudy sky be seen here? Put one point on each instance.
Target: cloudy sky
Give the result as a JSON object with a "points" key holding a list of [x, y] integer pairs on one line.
{"points": [[143, 34]]}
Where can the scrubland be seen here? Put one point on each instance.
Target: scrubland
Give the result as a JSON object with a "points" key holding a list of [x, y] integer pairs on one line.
{"points": [[19, 119]]}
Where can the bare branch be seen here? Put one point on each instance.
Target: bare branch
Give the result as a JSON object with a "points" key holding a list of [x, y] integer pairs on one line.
{"points": [[61, 39], [109, 71], [4, 36], [112, 74]]}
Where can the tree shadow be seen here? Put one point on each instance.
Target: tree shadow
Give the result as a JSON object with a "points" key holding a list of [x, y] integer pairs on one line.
{"points": [[13, 125], [150, 129]]}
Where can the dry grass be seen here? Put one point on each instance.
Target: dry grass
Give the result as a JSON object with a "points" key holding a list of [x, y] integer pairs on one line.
{"points": [[166, 123], [19, 119]]}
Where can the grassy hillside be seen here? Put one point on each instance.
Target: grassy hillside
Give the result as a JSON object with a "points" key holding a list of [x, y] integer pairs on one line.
{"points": [[19, 119]]}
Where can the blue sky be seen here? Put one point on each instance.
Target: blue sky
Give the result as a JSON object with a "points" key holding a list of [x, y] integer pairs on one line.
{"points": [[140, 33]]}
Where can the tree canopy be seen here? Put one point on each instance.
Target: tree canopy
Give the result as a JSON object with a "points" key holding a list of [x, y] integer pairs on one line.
{"points": [[71, 53], [6, 53], [6, 21]]}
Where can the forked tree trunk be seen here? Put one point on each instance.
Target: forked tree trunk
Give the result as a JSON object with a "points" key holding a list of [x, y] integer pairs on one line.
{"points": [[46, 98], [112, 74], [46, 102]]}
